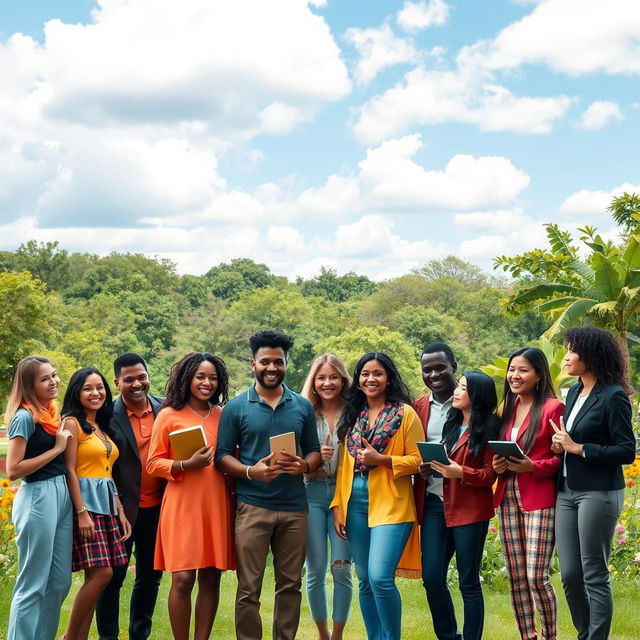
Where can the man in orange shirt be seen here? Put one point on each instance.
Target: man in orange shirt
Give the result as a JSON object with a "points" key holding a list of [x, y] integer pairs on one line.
{"points": [[133, 414]]}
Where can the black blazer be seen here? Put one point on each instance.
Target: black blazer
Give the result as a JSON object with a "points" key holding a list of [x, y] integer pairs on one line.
{"points": [[127, 471], [603, 427]]}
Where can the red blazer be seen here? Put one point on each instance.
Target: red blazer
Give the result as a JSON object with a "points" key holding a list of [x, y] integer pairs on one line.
{"points": [[422, 406], [537, 487], [467, 499]]}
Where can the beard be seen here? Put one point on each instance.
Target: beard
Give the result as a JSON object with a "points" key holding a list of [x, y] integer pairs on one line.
{"points": [[269, 384]]}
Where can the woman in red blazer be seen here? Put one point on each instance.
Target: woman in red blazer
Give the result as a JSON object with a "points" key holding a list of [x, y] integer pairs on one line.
{"points": [[459, 521], [526, 491]]}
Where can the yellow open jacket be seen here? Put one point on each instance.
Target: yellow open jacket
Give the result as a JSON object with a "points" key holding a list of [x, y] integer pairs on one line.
{"points": [[390, 490]]}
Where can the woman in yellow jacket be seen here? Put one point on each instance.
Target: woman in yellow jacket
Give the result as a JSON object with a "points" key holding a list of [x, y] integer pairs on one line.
{"points": [[373, 507]]}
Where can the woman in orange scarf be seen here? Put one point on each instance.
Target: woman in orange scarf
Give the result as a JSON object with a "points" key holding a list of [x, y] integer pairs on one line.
{"points": [[42, 508]]}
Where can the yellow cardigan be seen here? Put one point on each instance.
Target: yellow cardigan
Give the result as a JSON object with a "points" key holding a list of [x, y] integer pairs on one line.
{"points": [[390, 490]]}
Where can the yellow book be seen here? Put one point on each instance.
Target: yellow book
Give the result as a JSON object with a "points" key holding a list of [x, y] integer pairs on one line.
{"points": [[187, 441]]}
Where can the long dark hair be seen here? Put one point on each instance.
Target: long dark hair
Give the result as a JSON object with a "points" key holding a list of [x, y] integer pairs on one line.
{"points": [[182, 372], [484, 423], [396, 390], [71, 404], [543, 390], [600, 353]]}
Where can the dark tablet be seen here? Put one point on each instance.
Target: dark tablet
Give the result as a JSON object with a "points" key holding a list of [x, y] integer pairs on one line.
{"points": [[506, 448]]}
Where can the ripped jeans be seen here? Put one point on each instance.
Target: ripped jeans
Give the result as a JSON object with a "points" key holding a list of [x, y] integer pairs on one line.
{"points": [[320, 529]]}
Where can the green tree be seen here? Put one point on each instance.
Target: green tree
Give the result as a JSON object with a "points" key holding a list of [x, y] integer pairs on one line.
{"points": [[602, 289], [625, 210], [328, 284], [46, 261], [229, 280], [25, 310]]}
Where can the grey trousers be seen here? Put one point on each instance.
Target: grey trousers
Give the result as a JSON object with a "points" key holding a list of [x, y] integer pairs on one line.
{"points": [[585, 524]]}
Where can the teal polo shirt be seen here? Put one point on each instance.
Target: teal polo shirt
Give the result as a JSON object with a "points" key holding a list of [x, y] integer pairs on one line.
{"points": [[247, 423]]}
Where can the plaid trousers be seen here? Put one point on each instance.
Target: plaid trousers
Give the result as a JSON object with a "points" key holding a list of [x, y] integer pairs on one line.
{"points": [[528, 542]]}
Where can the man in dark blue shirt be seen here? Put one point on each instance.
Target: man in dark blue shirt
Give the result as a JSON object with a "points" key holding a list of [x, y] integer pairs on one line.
{"points": [[272, 504]]}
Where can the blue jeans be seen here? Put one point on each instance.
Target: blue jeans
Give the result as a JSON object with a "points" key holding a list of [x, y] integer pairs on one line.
{"points": [[320, 527], [376, 552], [438, 543], [42, 518]]}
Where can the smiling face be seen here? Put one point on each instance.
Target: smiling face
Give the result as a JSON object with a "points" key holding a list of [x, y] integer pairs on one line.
{"points": [[438, 374], [373, 380], [92, 393], [327, 383], [46, 384], [522, 377], [572, 363], [204, 383], [133, 384], [269, 367], [461, 399]]}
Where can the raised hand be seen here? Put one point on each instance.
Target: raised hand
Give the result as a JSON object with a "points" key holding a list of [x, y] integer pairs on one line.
{"points": [[326, 450], [561, 440], [368, 455]]}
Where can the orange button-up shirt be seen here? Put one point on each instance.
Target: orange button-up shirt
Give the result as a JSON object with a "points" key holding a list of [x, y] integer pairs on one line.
{"points": [[150, 487]]}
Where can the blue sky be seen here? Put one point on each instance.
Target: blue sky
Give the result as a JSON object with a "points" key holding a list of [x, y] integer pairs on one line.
{"points": [[367, 136]]}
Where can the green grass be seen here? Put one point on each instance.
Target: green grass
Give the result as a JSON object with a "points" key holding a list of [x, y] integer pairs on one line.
{"points": [[499, 621]]}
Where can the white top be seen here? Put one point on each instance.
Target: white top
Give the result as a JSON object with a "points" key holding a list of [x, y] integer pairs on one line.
{"points": [[569, 425], [437, 416], [329, 466], [514, 433]]}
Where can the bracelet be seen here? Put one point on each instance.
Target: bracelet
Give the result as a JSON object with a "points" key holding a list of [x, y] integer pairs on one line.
{"points": [[247, 472], [182, 466], [81, 511], [308, 467]]}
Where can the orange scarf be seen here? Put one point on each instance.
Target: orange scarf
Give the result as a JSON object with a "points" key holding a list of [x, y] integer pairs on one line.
{"points": [[48, 418]]}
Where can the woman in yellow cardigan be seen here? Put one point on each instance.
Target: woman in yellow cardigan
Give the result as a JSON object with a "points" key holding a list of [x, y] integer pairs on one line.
{"points": [[373, 507]]}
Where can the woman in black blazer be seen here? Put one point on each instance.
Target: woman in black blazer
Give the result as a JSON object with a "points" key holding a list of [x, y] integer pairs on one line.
{"points": [[595, 440]]}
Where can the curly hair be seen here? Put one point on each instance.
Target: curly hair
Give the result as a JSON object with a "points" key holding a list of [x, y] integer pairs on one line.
{"points": [[71, 405], [484, 423], [308, 389], [543, 390], [178, 388], [396, 390], [271, 339], [600, 353]]}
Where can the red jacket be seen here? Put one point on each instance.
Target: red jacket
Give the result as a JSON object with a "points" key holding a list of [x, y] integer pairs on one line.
{"points": [[467, 499], [537, 487]]}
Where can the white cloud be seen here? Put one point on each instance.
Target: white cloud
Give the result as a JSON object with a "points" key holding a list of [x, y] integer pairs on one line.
{"points": [[599, 114], [378, 48], [466, 95], [587, 202], [278, 118], [393, 180], [415, 16], [570, 36]]}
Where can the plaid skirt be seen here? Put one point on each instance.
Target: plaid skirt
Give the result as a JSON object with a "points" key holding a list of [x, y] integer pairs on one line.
{"points": [[105, 550]]}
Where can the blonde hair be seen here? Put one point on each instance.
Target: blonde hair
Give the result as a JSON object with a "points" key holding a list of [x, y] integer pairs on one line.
{"points": [[23, 387], [331, 359]]}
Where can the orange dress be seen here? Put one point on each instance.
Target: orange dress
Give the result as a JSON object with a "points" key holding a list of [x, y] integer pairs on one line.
{"points": [[195, 517]]}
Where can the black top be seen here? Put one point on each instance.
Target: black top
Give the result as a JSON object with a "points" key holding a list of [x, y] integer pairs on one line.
{"points": [[603, 427], [38, 442]]}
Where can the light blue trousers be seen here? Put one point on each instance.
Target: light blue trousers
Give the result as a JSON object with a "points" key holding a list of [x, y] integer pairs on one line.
{"points": [[320, 528], [43, 523], [376, 552]]}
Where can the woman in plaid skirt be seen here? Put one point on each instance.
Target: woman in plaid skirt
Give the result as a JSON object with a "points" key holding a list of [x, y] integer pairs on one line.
{"points": [[97, 535], [526, 491]]}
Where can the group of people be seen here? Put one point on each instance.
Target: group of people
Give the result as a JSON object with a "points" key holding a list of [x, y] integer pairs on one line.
{"points": [[101, 481]]}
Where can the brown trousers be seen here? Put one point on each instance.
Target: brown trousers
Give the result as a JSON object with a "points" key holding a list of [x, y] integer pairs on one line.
{"points": [[285, 532]]}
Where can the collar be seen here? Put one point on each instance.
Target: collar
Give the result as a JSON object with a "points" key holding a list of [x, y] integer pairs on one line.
{"points": [[432, 400], [252, 394], [133, 413]]}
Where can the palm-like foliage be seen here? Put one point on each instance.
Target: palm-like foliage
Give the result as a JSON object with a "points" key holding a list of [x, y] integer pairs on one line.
{"points": [[497, 369], [602, 289]]}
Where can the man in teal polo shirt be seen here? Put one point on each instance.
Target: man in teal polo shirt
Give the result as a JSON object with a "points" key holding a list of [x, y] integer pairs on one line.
{"points": [[272, 503]]}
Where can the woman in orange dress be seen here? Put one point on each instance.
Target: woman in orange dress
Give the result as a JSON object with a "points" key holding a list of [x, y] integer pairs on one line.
{"points": [[194, 535]]}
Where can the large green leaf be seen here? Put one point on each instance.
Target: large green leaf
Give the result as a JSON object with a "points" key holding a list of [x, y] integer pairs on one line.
{"points": [[607, 280], [542, 291], [571, 316]]}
